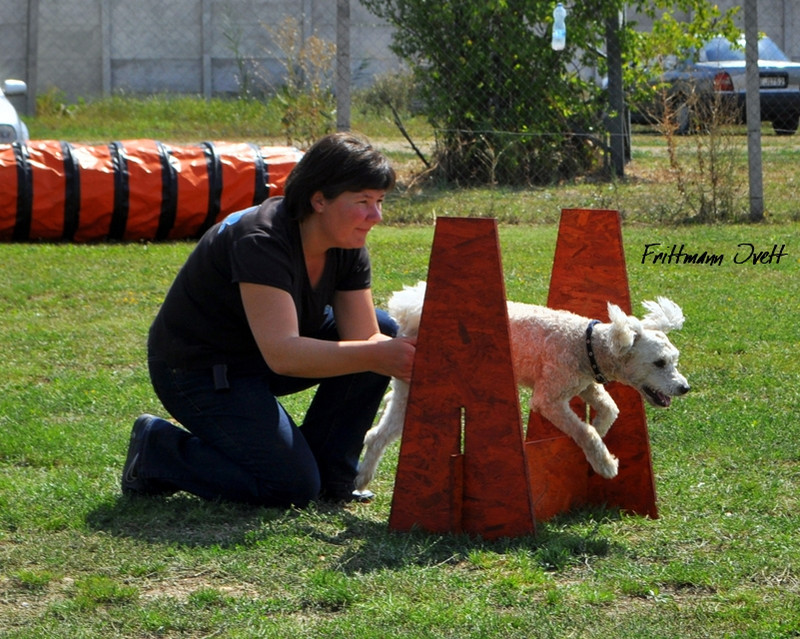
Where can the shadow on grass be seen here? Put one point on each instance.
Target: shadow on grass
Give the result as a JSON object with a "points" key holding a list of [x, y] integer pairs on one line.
{"points": [[181, 519], [566, 540], [189, 521], [358, 536]]}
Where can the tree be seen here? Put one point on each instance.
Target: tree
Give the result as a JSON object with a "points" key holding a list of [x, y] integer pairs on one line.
{"points": [[506, 108], [649, 54]]}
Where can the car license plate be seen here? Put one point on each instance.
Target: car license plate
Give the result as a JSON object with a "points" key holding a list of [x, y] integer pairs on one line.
{"points": [[773, 81]]}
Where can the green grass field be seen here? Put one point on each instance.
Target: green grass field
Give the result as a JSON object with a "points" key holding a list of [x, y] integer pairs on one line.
{"points": [[78, 560]]}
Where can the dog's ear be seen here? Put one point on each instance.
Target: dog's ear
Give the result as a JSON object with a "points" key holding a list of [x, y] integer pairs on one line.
{"points": [[662, 315], [624, 330]]}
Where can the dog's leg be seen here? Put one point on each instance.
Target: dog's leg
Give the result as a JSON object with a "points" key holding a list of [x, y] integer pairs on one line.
{"points": [[560, 414], [606, 411], [388, 429]]}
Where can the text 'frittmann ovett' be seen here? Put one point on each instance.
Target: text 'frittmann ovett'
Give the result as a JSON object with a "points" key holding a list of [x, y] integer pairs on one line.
{"points": [[746, 253]]}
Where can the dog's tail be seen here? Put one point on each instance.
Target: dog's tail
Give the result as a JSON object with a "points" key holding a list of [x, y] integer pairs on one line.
{"points": [[406, 308], [662, 315]]}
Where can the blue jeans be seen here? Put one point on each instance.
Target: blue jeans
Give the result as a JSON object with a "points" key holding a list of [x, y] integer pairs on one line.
{"points": [[239, 443]]}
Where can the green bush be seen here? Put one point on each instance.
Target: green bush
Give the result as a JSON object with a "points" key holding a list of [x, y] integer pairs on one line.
{"points": [[505, 106]]}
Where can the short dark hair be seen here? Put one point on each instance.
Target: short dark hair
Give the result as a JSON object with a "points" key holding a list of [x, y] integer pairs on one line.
{"points": [[334, 164]]}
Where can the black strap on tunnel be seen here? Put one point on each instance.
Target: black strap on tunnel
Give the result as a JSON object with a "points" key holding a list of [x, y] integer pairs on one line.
{"points": [[119, 217], [214, 170], [72, 192], [261, 190], [22, 225], [169, 193]]}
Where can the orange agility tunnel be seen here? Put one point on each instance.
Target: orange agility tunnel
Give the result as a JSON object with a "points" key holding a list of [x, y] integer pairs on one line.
{"points": [[132, 190]]}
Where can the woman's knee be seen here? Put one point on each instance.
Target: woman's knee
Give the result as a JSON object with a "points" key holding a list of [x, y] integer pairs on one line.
{"points": [[386, 323]]}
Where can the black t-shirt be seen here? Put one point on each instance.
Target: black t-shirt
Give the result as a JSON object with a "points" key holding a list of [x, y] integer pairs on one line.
{"points": [[202, 322]]}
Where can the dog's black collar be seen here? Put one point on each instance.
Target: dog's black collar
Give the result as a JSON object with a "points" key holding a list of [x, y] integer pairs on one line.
{"points": [[598, 376]]}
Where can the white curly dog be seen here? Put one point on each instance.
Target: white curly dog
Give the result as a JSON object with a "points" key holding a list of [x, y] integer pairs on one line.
{"points": [[559, 355]]}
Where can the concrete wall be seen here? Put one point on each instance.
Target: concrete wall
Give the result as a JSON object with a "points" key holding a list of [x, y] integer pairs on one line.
{"points": [[87, 48]]}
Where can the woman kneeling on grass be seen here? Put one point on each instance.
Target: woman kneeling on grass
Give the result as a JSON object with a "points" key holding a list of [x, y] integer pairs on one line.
{"points": [[273, 300]]}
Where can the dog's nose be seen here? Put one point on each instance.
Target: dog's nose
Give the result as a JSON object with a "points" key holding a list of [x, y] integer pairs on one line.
{"points": [[683, 389]]}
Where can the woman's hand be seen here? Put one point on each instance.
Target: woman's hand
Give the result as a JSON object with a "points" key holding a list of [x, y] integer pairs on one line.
{"points": [[397, 358]]}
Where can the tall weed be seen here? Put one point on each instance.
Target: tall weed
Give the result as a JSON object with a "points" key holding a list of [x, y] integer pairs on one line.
{"points": [[306, 96]]}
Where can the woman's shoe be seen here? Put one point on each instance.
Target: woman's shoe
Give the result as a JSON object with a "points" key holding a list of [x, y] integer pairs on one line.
{"points": [[132, 484]]}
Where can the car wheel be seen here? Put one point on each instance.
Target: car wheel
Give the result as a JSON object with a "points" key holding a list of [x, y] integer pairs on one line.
{"points": [[786, 125]]}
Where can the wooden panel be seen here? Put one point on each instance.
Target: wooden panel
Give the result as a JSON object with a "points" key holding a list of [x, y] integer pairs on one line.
{"points": [[588, 271], [462, 465]]}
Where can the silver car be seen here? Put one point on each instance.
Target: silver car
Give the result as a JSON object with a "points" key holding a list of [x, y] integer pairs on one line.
{"points": [[12, 129], [717, 72]]}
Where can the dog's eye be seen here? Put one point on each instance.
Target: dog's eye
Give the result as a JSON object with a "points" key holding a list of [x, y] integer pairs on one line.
{"points": [[660, 363]]}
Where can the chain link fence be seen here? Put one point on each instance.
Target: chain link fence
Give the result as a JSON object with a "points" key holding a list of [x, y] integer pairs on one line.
{"points": [[486, 79]]}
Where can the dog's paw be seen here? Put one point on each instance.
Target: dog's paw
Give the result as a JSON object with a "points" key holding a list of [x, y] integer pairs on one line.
{"points": [[599, 457], [607, 466], [366, 473], [362, 481]]}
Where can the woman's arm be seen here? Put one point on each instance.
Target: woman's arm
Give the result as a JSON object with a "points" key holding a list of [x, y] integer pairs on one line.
{"points": [[273, 321], [355, 315]]}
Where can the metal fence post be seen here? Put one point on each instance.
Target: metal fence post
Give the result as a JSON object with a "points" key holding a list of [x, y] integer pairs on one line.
{"points": [[616, 98], [753, 106], [207, 39], [32, 56], [343, 65], [105, 47]]}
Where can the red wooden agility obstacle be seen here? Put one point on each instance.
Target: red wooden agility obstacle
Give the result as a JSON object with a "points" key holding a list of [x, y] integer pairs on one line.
{"points": [[589, 271], [462, 462], [463, 465]]}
